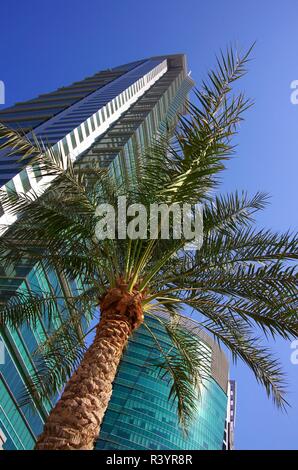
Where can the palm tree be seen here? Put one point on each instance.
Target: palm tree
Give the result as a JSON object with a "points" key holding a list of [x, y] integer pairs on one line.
{"points": [[239, 281]]}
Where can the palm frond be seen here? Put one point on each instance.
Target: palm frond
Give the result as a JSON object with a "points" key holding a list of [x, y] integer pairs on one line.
{"points": [[28, 308], [245, 346], [184, 365], [225, 214], [55, 361], [239, 281], [16, 142]]}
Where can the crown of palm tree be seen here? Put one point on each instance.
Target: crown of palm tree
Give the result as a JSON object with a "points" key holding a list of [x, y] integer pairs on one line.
{"points": [[240, 282]]}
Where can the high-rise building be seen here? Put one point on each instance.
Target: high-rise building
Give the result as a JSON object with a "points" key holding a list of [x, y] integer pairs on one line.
{"points": [[140, 416], [229, 443], [100, 121]]}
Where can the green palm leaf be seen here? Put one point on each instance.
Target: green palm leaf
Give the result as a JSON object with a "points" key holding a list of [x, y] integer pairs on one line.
{"points": [[241, 282]]}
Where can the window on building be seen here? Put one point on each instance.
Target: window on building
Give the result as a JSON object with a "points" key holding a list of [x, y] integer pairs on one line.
{"points": [[92, 123], [87, 128], [73, 140], [10, 187], [65, 147], [81, 138], [37, 172], [25, 180], [123, 434]]}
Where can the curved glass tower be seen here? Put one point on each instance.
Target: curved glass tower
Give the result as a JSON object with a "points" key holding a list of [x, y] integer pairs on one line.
{"points": [[100, 122], [140, 416]]}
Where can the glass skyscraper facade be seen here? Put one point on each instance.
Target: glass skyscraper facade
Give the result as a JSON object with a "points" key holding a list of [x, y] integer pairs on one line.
{"points": [[100, 121], [140, 416]]}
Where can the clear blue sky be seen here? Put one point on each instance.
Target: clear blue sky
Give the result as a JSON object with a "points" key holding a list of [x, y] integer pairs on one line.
{"points": [[46, 44]]}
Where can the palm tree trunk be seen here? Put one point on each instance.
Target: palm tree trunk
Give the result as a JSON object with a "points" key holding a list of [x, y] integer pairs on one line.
{"points": [[74, 423]]}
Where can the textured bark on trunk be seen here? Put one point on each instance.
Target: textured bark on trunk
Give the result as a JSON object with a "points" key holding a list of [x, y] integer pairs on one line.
{"points": [[74, 423]]}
